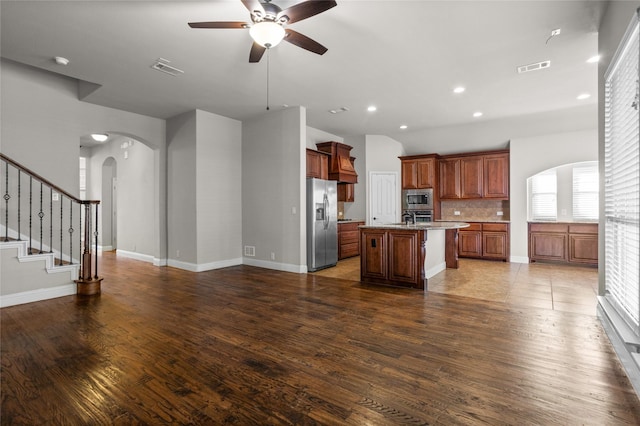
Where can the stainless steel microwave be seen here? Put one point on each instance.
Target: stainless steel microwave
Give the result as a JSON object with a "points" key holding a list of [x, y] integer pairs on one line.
{"points": [[417, 199]]}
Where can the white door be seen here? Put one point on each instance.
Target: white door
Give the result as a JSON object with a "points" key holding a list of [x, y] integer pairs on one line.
{"points": [[384, 198]]}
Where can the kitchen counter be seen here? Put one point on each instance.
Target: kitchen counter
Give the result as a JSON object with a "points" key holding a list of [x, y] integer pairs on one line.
{"points": [[438, 225], [479, 220], [407, 255]]}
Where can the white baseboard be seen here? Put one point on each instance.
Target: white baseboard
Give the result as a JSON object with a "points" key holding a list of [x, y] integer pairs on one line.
{"points": [[159, 262], [435, 270], [519, 259], [37, 295], [286, 267], [133, 255], [193, 267]]}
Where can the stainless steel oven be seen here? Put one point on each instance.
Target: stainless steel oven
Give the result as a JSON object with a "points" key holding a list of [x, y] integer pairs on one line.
{"points": [[417, 199], [417, 216]]}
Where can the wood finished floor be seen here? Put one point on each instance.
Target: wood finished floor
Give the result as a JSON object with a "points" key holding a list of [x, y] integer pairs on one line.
{"points": [[250, 346]]}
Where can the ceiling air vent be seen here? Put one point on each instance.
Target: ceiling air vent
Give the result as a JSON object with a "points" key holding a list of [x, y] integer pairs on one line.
{"points": [[163, 65], [534, 67]]}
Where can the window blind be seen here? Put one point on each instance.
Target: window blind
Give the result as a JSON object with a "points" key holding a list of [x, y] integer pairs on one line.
{"points": [[622, 180], [585, 192], [544, 196]]}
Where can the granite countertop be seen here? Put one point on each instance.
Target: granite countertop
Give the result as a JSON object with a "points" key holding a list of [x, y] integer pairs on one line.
{"points": [[440, 225], [478, 220]]}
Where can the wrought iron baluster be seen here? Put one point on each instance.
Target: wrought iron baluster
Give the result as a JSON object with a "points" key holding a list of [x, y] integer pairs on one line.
{"points": [[6, 201], [81, 246], [41, 216], [51, 221], [71, 231], [30, 212], [61, 226], [19, 202]]}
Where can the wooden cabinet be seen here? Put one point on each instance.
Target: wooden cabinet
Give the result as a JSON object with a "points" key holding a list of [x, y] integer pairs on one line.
{"points": [[418, 172], [393, 257], [449, 178], [317, 164], [564, 242], [470, 241], [496, 176], [473, 176], [484, 241], [348, 239], [346, 192]]}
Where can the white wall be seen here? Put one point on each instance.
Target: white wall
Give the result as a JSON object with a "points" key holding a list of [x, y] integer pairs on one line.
{"points": [[205, 183], [315, 136], [532, 155], [181, 188], [273, 187], [382, 154], [218, 190], [135, 192]]}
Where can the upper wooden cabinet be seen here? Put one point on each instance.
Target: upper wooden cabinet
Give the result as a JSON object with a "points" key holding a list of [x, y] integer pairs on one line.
{"points": [[317, 164], [418, 172], [449, 178], [496, 176], [473, 176]]}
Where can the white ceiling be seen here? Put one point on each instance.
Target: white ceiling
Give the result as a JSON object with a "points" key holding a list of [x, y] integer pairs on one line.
{"points": [[405, 57]]}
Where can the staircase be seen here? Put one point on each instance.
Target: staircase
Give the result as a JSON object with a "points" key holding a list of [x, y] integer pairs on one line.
{"points": [[46, 239]]}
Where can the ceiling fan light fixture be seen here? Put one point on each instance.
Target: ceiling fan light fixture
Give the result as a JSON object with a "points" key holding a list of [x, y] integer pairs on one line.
{"points": [[267, 34]]}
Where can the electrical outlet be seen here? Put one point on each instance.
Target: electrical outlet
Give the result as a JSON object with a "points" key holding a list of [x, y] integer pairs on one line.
{"points": [[273, 256], [500, 213], [178, 254], [456, 213]]}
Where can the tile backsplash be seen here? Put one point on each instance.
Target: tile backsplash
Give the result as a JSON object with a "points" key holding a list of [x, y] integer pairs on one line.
{"points": [[475, 210]]}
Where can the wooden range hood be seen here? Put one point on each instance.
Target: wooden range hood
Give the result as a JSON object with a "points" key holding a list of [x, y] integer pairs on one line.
{"points": [[340, 164]]}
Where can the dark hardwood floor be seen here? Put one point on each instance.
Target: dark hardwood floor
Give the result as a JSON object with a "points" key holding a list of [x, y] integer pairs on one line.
{"points": [[250, 346]]}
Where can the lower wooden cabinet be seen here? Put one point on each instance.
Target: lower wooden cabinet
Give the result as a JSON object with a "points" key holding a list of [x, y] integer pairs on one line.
{"points": [[348, 239], [564, 243], [393, 257], [484, 240]]}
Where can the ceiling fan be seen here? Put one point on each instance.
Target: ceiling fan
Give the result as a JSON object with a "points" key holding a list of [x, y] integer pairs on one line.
{"points": [[268, 22]]}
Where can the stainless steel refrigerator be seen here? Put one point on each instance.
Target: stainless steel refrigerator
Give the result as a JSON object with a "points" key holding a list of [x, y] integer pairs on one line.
{"points": [[322, 224]]}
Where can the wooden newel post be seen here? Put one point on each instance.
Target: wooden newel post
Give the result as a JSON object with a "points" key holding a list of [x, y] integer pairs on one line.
{"points": [[87, 284]]}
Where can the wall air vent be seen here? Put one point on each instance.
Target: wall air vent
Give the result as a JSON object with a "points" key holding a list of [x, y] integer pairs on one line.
{"points": [[534, 67], [163, 65]]}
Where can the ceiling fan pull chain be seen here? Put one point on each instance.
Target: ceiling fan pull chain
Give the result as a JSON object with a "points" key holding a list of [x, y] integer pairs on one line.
{"points": [[268, 79]]}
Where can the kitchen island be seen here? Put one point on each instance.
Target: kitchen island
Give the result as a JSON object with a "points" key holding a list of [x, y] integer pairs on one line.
{"points": [[407, 255]]}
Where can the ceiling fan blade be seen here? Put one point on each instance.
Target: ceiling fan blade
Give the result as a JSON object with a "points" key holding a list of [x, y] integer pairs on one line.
{"points": [[306, 9], [240, 25], [256, 52], [303, 41], [252, 5]]}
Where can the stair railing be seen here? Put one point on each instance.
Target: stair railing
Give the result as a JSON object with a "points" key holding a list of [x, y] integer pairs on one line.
{"points": [[29, 196]]}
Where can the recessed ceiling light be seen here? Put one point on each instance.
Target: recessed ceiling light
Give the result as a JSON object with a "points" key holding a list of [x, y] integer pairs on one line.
{"points": [[61, 61], [99, 137], [459, 89], [593, 59], [372, 108], [477, 114], [404, 126], [583, 96]]}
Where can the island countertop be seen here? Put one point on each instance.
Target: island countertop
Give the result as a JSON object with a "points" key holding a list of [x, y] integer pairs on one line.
{"points": [[419, 226]]}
